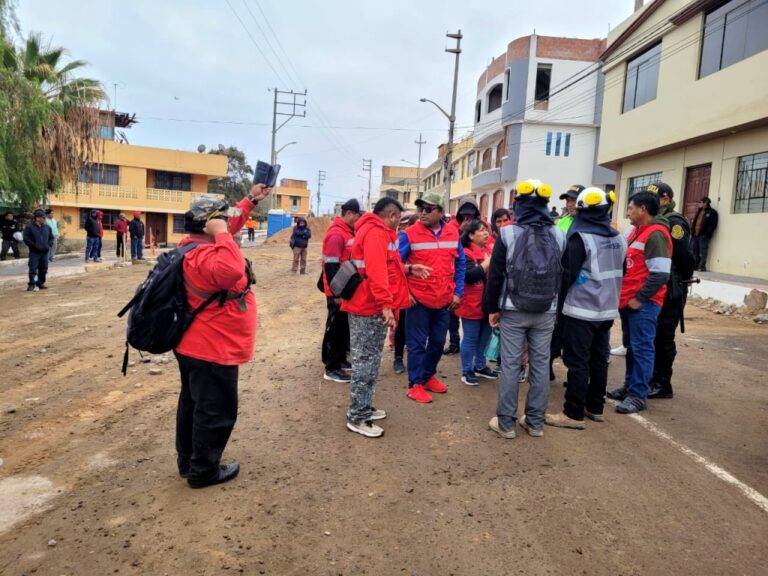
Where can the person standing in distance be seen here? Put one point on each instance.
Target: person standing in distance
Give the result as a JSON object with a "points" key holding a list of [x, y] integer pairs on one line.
{"points": [[39, 239], [704, 226]]}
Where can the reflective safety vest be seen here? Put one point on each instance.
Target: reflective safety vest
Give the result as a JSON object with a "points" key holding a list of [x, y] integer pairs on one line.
{"points": [[440, 254], [337, 227], [594, 296], [636, 269]]}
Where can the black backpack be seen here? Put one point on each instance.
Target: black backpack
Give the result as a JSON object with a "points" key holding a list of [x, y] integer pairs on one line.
{"points": [[534, 274], [159, 314]]}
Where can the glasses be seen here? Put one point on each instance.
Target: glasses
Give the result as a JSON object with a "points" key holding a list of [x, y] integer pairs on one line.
{"points": [[428, 209]]}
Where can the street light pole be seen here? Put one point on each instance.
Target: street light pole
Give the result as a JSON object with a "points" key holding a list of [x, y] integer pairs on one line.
{"points": [[418, 167], [367, 167]]}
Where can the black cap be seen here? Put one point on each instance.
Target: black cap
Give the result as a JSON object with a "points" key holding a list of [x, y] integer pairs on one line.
{"points": [[49, 210], [661, 189], [351, 206], [39, 213], [706, 200], [573, 192]]}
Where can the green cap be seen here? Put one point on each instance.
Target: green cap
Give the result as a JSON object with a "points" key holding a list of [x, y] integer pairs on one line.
{"points": [[432, 199]]}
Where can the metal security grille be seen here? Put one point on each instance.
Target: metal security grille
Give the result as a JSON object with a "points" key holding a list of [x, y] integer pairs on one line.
{"points": [[752, 184]]}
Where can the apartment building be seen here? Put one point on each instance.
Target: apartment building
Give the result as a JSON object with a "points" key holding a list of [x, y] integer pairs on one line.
{"points": [[686, 101], [401, 183], [463, 165], [293, 197]]}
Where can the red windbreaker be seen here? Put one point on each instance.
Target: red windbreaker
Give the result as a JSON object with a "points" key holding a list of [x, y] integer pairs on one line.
{"points": [[471, 305], [221, 334], [376, 256]]}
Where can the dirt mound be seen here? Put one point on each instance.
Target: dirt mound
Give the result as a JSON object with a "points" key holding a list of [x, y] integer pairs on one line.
{"points": [[318, 226]]}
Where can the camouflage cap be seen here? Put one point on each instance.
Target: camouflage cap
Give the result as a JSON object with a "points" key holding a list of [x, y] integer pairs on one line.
{"points": [[431, 199], [207, 206]]}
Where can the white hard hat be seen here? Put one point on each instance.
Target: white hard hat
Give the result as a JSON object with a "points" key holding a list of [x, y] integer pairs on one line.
{"points": [[594, 196]]}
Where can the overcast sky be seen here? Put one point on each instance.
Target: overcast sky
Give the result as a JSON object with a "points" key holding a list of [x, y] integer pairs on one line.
{"points": [[193, 75]]}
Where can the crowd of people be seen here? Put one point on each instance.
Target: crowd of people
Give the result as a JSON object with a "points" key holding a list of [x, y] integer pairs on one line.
{"points": [[540, 287]]}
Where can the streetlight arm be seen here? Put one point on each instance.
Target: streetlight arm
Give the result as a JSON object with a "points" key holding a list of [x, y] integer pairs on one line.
{"points": [[284, 146], [450, 118]]}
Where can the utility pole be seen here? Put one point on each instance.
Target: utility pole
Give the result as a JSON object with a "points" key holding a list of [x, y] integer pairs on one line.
{"points": [[420, 142], [320, 181], [367, 167], [289, 108], [452, 119]]}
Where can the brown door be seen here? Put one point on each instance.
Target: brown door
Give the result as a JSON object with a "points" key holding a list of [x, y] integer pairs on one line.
{"points": [[484, 206], [696, 187], [498, 199], [157, 227]]}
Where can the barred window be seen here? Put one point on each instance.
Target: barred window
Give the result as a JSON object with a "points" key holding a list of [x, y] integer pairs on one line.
{"points": [[178, 223], [640, 183], [173, 181], [100, 174], [752, 184]]}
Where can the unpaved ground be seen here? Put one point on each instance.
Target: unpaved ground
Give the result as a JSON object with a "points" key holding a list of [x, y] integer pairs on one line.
{"points": [[88, 459]]}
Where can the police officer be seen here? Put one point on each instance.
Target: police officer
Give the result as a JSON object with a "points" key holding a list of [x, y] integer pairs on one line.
{"points": [[674, 302]]}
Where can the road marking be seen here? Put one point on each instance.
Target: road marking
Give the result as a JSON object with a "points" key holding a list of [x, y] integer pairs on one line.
{"points": [[724, 475]]}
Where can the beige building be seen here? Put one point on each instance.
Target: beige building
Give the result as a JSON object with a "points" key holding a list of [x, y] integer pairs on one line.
{"points": [[433, 175], [293, 197], [400, 183], [686, 101]]}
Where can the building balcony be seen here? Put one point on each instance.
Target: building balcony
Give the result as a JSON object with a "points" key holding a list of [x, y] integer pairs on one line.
{"points": [[487, 179], [127, 198]]}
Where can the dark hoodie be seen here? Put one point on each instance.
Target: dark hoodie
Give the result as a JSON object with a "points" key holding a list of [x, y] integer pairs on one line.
{"points": [[92, 225], [530, 209], [301, 234]]}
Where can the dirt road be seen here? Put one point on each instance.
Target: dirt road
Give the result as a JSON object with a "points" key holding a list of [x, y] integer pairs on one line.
{"points": [[88, 484]]}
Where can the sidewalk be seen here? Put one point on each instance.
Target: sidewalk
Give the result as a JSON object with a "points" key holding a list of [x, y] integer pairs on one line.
{"points": [[726, 288], [14, 272]]}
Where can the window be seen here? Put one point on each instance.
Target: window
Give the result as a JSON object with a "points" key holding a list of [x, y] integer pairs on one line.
{"points": [[478, 107], [108, 220], [639, 183], [733, 32], [549, 143], [173, 181], [557, 143], [100, 174], [406, 198], [487, 160], [567, 149], [500, 153], [494, 98], [107, 132], [507, 80], [296, 201], [471, 164], [178, 223], [752, 184], [642, 78], [543, 81]]}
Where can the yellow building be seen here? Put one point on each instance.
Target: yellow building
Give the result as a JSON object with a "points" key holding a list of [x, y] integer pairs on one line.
{"points": [[292, 196], [400, 183], [686, 101], [157, 182], [433, 176]]}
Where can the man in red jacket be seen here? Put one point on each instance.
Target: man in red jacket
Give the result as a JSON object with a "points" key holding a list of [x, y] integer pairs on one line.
{"points": [[373, 308], [121, 227], [221, 337]]}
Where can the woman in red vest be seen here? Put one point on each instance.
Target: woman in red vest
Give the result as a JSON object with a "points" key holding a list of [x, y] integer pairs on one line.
{"points": [[474, 320]]}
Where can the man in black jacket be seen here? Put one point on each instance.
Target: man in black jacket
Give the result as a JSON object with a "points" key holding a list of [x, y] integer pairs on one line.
{"points": [[39, 240], [704, 225], [136, 232], [9, 226], [299, 242], [674, 301], [92, 236]]}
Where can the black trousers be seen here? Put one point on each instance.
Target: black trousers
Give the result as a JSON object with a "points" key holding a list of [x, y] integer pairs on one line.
{"points": [[700, 251], [556, 346], [453, 331], [120, 245], [584, 353], [336, 337], [666, 350], [400, 335], [38, 268], [205, 416]]}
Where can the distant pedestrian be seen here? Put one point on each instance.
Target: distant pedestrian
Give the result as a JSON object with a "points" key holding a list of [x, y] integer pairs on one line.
{"points": [[9, 227], [136, 231], [704, 226], [553, 213], [337, 249], [299, 243], [592, 268], [100, 243], [372, 309], [92, 236], [121, 227], [570, 196], [521, 296], [50, 221], [474, 320], [647, 267], [250, 225], [432, 243], [39, 240]]}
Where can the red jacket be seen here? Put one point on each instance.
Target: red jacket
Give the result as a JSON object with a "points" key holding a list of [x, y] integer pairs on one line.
{"points": [[337, 247], [221, 334], [440, 254], [471, 305], [376, 256], [636, 269], [121, 226]]}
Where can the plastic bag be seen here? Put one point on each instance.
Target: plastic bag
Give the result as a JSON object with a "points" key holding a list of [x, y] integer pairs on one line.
{"points": [[494, 344]]}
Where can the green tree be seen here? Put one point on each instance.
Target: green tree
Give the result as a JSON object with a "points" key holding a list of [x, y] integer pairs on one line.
{"points": [[236, 184]]}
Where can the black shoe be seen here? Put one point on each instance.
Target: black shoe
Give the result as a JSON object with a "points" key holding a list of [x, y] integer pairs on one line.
{"points": [[452, 349], [43, 287], [30, 288], [657, 391], [617, 394], [397, 366], [337, 376], [184, 473], [226, 473], [486, 373], [703, 269]]}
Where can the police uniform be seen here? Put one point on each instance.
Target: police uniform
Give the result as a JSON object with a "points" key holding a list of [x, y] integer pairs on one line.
{"points": [[675, 298]]}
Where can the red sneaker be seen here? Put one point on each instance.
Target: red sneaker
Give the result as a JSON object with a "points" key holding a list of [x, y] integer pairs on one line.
{"points": [[418, 394], [434, 385]]}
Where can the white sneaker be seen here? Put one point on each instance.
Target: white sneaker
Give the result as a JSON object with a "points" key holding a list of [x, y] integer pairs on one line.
{"points": [[535, 432], [36, 289], [619, 351], [493, 424], [367, 429], [378, 414]]}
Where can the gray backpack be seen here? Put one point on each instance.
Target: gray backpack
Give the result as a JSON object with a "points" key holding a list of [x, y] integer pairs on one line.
{"points": [[534, 274]]}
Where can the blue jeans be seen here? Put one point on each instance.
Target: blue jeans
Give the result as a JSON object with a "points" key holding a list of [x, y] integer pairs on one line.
{"points": [[425, 330], [477, 333], [638, 334], [91, 247], [137, 245], [38, 267]]}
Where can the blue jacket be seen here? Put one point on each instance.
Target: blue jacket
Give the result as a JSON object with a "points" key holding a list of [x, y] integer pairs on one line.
{"points": [[301, 235], [38, 239]]}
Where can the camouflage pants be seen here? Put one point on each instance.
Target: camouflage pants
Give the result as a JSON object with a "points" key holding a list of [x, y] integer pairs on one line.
{"points": [[366, 341]]}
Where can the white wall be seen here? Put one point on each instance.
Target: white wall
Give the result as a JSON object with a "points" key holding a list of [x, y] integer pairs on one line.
{"points": [[490, 124], [575, 104]]}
